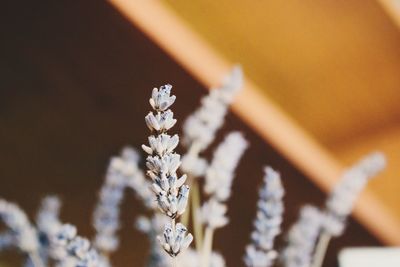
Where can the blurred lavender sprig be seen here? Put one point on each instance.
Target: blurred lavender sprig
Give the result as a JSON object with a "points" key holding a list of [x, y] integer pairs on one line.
{"points": [[268, 221], [302, 238], [340, 203], [219, 178], [122, 172], [218, 184], [106, 214], [48, 224], [200, 128], [71, 250], [26, 238]]}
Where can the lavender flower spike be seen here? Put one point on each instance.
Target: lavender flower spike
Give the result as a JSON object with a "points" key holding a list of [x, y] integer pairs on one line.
{"points": [[47, 219], [106, 213], [268, 222], [175, 239], [48, 224], [162, 163], [70, 250], [24, 233], [219, 177], [341, 201], [220, 174], [200, 127], [302, 238]]}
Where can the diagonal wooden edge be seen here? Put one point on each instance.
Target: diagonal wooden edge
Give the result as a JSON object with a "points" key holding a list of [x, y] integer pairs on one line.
{"points": [[392, 7], [172, 34]]}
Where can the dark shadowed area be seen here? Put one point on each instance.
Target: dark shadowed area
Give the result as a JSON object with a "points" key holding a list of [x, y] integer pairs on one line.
{"points": [[75, 78]]}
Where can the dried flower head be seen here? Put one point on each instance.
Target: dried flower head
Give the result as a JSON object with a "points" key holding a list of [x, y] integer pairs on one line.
{"points": [[162, 163], [200, 128], [175, 239], [267, 224], [340, 203], [302, 238], [220, 174], [16, 220], [71, 250]]}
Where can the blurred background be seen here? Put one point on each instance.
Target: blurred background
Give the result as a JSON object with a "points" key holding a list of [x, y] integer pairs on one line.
{"points": [[75, 78]]}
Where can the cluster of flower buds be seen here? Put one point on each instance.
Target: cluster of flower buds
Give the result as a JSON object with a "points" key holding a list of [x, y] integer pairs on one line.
{"points": [[24, 234], [200, 128], [70, 250], [175, 239], [121, 171], [162, 163], [220, 174], [213, 214], [340, 203], [47, 219], [302, 238], [267, 223], [219, 178]]}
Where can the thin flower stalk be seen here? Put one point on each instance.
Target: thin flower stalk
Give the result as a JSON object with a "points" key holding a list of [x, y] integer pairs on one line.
{"points": [[218, 184], [267, 225], [163, 163], [26, 238]]}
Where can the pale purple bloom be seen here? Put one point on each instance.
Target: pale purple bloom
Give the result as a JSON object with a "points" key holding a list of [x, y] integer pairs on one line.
{"points": [[200, 128], [302, 238], [162, 164], [340, 203], [213, 214], [220, 174], [70, 250], [17, 221], [175, 239], [267, 224]]}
